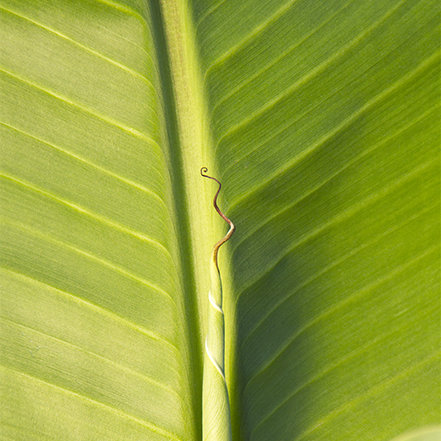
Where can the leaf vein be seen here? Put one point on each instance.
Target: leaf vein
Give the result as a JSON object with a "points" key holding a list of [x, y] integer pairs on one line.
{"points": [[354, 160], [91, 164], [122, 414], [101, 261], [342, 216], [123, 367], [102, 219], [277, 58], [96, 308], [271, 103], [340, 362], [348, 300], [99, 218], [327, 268], [84, 109], [372, 392], [309, 150], [83, 47], [249, 37], [208, 11]]}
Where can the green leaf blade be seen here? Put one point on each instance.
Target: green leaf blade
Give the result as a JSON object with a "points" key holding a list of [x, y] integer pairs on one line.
{"points": [[88, 230], [325, 122]]}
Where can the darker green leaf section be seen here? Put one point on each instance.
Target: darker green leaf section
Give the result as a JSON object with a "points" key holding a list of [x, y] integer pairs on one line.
{"points": [[325, 121]]}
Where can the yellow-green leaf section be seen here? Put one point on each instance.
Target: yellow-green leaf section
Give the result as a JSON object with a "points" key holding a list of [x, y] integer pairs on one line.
{"points": [[321, 120]]}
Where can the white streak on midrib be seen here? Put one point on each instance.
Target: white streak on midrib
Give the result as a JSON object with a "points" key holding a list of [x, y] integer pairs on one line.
{"points": [[210, 356], [214, 304]]}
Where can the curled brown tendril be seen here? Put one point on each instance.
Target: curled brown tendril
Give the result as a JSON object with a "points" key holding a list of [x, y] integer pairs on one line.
{"points": [[204, 170]]}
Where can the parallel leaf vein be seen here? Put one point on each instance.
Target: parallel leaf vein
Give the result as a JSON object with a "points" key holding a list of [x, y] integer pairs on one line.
{"points": [[354, 160], [353, 252], [98, 309], [101, 261], [91, 112], [83, 47], [345, 122], [116, 411], [123, 367], [350, 211], [338, 364], [99, 218], [208, 11], [304, 154], [89, 163], [256, 31], [276, 59], [120, 7], [351, 298], [271, 103], [372, 392]]}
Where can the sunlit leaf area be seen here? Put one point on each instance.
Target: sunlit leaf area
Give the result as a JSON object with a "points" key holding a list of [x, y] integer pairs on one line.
{"points": [[321, 119]]}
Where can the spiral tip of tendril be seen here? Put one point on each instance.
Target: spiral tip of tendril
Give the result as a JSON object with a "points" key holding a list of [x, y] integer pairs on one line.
{"points": [[204, 170]]}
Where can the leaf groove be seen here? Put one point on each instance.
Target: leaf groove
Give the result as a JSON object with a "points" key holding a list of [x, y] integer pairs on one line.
{"points": [[94, 354], [99, 309], [94, 216], [116, 411], [342, 216], [276, 59], [337, 129], [270, 104], [354, 160], [324, 270], [101, 261], [91, 164], [256, 31], [85, 48], [104, 118], [340, 362], [351, 298], [356, 400]]}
